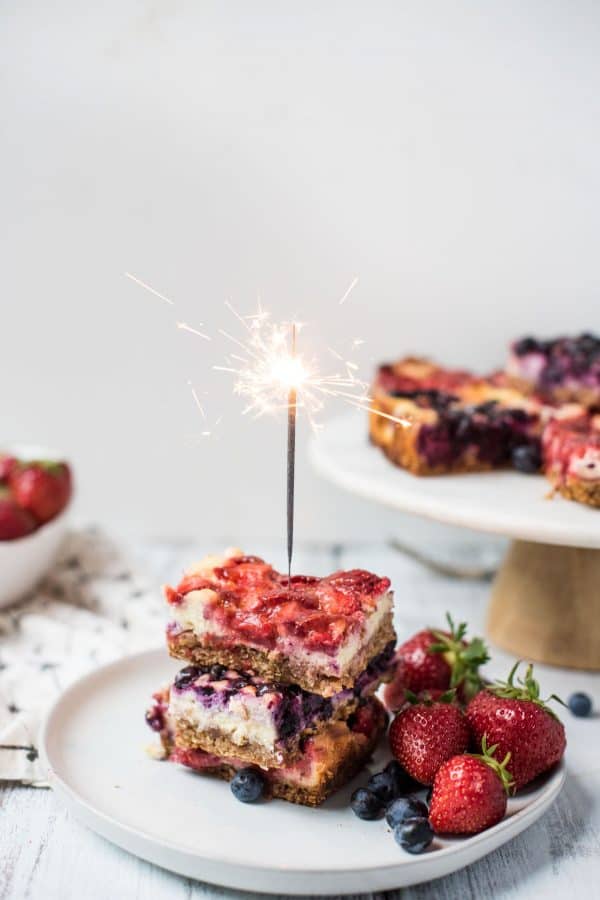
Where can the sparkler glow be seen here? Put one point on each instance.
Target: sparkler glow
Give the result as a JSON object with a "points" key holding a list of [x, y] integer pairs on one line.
{"points": [[272, 377]]}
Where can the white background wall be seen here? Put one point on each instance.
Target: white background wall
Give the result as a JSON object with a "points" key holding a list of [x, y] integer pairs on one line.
{"points": [[447, 153]]}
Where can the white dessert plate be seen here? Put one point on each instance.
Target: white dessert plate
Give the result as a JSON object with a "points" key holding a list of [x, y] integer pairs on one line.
{"points": [[94, 741], [503, 502]]}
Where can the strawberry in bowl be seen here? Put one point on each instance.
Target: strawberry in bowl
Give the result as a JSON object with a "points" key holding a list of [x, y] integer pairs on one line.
{"points": [[35, 491]]}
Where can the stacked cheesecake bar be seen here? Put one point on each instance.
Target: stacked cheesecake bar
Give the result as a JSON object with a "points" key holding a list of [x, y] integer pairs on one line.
{"points": [[280, 674]]}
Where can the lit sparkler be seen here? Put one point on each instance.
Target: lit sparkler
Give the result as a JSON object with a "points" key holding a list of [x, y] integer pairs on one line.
{"points": [[272, 376]]}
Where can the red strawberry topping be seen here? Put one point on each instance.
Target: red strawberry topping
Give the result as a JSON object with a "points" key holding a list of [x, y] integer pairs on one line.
{"points": [[255, 600]]}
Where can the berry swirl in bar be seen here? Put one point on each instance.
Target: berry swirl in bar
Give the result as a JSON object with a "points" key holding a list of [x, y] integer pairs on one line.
{"points": [[318, 633], [326, 759], [232, 713], [559, 370], [451, 420]]}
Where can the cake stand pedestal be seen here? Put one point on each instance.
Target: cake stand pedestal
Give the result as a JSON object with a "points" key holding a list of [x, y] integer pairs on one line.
{"points": [[545, 604], [545, 600]]}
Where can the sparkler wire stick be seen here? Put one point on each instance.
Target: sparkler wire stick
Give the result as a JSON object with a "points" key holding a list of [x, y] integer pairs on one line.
{"points": [[291, 461]]}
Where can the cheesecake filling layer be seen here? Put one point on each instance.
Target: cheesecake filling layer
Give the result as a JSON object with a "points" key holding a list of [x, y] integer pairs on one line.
{"points": [[250, 711]]}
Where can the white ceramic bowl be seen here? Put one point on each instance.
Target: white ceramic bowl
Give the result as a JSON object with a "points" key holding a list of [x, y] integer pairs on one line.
{"points": [[25, 561]]}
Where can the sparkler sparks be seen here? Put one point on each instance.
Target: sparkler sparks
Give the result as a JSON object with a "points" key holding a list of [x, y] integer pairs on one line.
{"points": [[148, 288], [267, 368]]}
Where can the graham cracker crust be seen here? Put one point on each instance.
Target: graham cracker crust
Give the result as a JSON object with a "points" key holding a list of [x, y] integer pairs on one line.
{"points": [[580, 491], [399, 443], [274, 665]]}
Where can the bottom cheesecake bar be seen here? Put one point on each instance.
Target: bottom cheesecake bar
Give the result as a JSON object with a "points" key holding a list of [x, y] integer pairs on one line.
{"points": [[326, 762]]}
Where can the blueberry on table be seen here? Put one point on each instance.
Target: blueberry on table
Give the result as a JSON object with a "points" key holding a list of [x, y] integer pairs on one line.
{"points": [[365, 804], [414, 835], [527, 458], [404, 808], [580, 704], [247, 785]]}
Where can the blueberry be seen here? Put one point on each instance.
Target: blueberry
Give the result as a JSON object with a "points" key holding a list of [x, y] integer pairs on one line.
{"points": [[365, 804], [383, 784], [154, 718], [414, 835], [403, 783], [580, 704], [404, 808], [527, 458], [526, 345], [186, 676], [247, 785], [217, 671]]}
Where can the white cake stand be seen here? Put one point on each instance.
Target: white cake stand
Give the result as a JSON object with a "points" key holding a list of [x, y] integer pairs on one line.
{"points": [[545, 602]]}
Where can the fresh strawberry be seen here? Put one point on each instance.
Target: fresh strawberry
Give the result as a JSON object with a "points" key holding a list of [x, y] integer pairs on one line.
{"points": [[43, 488], [469, 793], [437, 659], [426, 733], [14, 521], [515, 719], [7, 463]]}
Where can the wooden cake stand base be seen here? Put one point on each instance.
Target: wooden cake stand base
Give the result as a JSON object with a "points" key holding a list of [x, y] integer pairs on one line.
{"points": [[545, 605]]}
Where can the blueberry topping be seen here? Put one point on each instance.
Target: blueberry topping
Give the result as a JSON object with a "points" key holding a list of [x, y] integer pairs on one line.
{"points": [[265, 688], [239, 683], [404, 808], [414, 835], [216, 672], [580, 704], [403, 783], [527, 458], [186, 676], [365, 804], [247, 785]]}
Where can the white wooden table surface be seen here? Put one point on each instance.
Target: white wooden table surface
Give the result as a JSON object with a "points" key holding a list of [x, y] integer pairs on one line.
{"points": [[45, 854]]}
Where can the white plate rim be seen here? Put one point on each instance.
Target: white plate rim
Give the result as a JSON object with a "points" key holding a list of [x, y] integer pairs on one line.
{"points": [[516, 823]]}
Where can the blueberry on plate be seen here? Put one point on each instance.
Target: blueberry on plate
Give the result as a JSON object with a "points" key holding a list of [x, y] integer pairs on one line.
{"points": [[403, 783], [580, 704], [365, 804], [414, 835], [405, 808], [384, 785], [247, 785], [527, 458]]}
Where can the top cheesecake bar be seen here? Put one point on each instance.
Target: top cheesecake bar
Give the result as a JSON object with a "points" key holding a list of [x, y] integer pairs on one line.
{"points": [[319, 633], [560, 370]]}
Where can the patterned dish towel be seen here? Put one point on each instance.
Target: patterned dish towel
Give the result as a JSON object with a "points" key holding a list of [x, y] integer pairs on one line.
{"points": [[91, 609]]}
